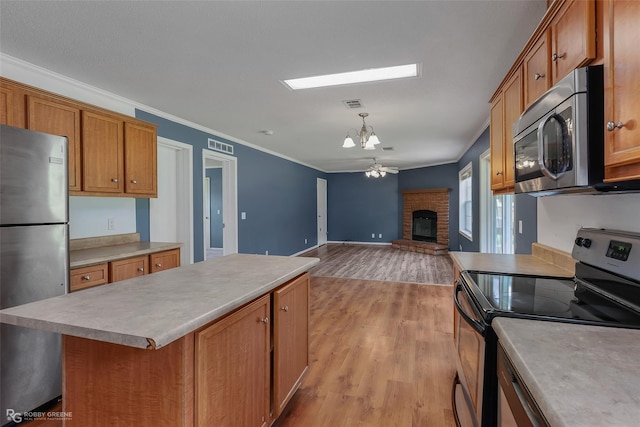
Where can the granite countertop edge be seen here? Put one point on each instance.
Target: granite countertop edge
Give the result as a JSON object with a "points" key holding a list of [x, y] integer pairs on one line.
{"points": [[150, 337], [92, 256]]}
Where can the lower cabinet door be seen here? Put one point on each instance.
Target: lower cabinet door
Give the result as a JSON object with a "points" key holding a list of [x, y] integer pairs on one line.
{"points": [[128, 268], [165, 260], [233, 369], [291, 339]]}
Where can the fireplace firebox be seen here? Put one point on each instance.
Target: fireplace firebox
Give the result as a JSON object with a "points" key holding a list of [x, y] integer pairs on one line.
{"points": [[425, 225]]}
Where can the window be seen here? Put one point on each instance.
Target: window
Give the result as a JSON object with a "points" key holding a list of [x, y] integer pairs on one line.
{"points": [[466, 202]]}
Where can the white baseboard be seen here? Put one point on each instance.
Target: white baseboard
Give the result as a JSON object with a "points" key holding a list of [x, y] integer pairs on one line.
{"points": [[304, 250], [351, 242]]}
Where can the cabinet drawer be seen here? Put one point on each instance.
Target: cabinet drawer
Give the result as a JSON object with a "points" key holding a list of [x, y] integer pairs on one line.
{"points": [[165, 260], [128, 268], [87, 277]]}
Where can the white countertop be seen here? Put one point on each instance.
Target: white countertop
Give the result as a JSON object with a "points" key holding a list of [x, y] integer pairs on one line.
{"points": [[98, 255], [153, 310], [579, 375]]}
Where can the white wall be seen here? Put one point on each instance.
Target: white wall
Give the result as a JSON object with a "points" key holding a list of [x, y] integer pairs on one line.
{"points": [[89, 216], [559, 217]]}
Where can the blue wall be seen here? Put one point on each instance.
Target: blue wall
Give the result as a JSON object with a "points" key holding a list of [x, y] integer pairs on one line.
{"points": [[358, 206], [473, 155], [215, 196], [527, 212], [278, 196]]}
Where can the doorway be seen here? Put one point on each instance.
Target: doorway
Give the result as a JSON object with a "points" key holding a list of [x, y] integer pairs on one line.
{"points": [[220, 204], [322, 211], [497, 213], [171, 213]]}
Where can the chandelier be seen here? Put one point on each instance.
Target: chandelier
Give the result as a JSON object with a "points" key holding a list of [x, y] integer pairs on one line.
{"points": [[367, 137]]}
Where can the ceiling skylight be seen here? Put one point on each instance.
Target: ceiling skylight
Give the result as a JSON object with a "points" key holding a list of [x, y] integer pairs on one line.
{"points": [[370, 75]]}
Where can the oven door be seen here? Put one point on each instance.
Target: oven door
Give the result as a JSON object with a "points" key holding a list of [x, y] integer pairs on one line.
{"points": [[470, 330]]}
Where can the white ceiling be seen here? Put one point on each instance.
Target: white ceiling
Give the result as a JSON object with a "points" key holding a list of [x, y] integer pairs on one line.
{"points": [[219, 64]]}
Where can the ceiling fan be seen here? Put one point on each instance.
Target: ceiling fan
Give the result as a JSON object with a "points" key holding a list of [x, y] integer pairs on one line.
{"points": [[376, 170]]}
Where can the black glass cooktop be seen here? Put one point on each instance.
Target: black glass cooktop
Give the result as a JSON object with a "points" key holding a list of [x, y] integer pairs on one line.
{"points": [[551, 298]]}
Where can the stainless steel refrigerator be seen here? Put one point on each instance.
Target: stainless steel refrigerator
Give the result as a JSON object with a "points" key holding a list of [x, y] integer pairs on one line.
{"points": [[34, 261]]}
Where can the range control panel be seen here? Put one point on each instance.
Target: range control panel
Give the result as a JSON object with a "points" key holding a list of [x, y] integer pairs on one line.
{"points": [[612, 250]]}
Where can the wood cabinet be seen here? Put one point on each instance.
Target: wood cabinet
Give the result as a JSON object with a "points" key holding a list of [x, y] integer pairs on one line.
{"points": [[291, 340], [537, 69], [86, 277], [164, 260], [58, 118], [622, 90], [232, 369], [6, 106], [505, 110], [109, 154], [573, 37], [123, 269], [140, 147], [128, 268], [102, 152]]}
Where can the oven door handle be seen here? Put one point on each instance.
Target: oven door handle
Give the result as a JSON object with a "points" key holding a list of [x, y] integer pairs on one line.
{"points": [[479, 327]]}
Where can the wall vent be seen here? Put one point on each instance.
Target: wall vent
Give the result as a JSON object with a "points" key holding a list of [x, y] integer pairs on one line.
{"points": [[223, 147], [353, 103]]}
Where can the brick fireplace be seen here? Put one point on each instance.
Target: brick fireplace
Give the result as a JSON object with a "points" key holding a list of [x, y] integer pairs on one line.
{"points": [[434, 200]]}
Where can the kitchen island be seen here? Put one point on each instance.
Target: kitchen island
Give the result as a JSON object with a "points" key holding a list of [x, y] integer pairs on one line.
{"points": [[187, 346]]}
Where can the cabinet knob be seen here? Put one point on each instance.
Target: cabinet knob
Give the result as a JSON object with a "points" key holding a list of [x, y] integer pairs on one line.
{"points": [[611, 126], [141, 269], [86, 277], [265, 320], [158, 265], [555, 56], [133, 181], [538, 76], [285, 308], [499, 173], [114, 180]]}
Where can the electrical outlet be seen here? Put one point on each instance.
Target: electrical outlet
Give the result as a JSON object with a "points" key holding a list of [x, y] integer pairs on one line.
{"points": [[520, 226], [380, 236], [266, 252], [305, 241], [243, 215], [111, 223], [373, 235]]}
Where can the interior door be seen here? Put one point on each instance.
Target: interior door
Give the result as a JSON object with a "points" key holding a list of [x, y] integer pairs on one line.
{"points": [[322, 211]]}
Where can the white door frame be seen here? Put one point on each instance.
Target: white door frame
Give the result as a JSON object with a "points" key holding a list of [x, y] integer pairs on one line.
{"points": [[321, 190], [184, 187], [207, 215], [229, 199]]}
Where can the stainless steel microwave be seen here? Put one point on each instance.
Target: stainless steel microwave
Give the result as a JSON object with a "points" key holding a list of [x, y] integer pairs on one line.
{"points": [[559, 140]]}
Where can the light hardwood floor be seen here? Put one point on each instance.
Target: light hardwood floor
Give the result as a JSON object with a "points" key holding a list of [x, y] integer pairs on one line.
{"points": [[381, 355], [380, 262]]}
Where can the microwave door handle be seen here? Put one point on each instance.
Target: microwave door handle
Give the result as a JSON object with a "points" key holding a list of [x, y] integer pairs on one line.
{"points": [[539, 134], [474, 323]]}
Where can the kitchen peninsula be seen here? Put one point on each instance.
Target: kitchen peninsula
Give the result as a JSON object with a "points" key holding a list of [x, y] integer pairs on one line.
{"points": [[189, 346]]}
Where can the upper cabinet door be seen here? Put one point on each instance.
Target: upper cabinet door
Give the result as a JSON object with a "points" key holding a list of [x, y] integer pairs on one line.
{"points": [[574, 40], [622, 90], [6, 106], [512, 109], [58, 118], [102, 153], [537, 69], [140, 159]]}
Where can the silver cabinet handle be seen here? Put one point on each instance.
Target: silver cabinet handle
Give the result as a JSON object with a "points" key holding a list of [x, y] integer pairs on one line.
{"points": [[141, 269], [611, 126], [114, 180], [133, 181], [538, 76], [285, 308], [265, 320], [555, 56], [86, 277]]}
